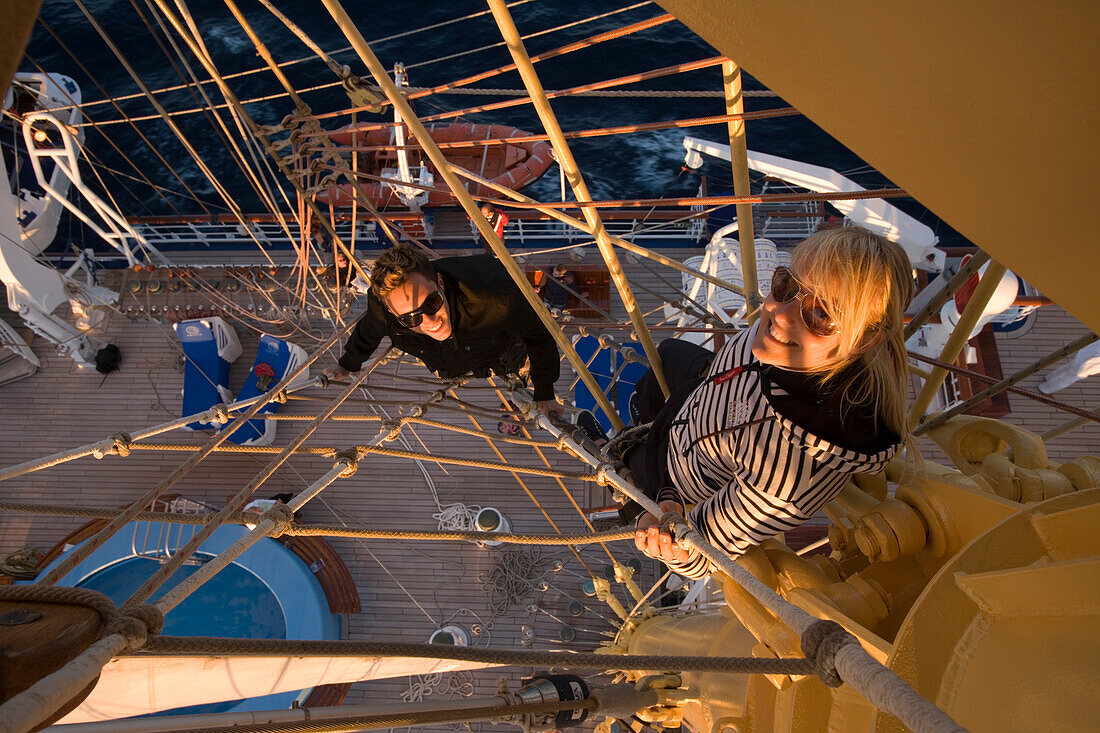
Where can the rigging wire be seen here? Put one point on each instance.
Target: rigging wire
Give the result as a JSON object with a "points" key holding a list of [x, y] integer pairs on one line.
{"points": [[535, 34], [330, 85], [680, 68], [211, 177], [573, 134], [260, 184], [125, 118], [470, 91], [553, 53]]}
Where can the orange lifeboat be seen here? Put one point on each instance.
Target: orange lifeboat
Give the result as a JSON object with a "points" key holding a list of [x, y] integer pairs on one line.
{"points": [[514, 165]]}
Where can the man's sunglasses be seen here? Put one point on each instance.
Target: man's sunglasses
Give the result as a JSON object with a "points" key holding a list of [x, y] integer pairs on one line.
{"points": [[429, 307], [785, 288]]}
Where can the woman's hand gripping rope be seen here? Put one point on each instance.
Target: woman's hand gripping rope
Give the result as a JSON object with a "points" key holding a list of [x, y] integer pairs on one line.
{"points": [[655, 539]]}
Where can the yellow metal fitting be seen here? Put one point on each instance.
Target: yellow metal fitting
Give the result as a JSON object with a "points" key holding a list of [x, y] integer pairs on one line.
{"points": [[658, 682], [625, 574], [968, 439], [894, 529], [1083, 472], [603, 592], [861, 599]]}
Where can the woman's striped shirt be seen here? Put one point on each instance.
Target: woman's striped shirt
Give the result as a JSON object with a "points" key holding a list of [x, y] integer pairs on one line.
{"points": [[751, 472]]}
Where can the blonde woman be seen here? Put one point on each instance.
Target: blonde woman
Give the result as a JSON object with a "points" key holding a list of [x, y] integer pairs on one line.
{"points": [[766, 432]]}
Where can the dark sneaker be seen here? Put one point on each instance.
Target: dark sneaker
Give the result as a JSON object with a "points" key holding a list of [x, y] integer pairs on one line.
{"points": [[591, 427], [625, 441]]}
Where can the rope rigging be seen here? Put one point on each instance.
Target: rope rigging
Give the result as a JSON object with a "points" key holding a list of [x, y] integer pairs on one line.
{"points": [[345, 49], [830, 652]]}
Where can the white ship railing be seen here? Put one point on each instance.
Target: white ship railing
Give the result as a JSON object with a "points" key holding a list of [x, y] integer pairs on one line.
{"points": [[234, 235], [158, 540], [538, 232], [522, 232]]}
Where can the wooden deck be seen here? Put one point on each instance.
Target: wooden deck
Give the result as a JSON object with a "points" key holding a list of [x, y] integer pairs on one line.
{"points": [[406, 589]]}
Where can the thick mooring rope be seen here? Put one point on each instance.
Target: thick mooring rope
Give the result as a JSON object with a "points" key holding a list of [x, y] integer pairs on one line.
{"points": [[219, 646]]}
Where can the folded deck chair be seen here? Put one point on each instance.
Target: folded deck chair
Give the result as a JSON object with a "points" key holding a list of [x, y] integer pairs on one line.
{"points": [[601, 362], [616, 376], [274, 359], [209, 346], [629, 374]]}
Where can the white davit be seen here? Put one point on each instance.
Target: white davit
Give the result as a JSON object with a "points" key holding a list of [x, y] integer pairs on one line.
{"points": [[879, 216]]}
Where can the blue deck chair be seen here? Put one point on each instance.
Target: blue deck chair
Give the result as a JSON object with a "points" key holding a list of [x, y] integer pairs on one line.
{"points": [[602, 365], [210, 345], [274, 358], [616, 376], [629, 375]]}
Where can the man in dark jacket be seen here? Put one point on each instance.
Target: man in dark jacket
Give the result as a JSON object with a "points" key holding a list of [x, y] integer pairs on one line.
{"points": [[459, 315]]}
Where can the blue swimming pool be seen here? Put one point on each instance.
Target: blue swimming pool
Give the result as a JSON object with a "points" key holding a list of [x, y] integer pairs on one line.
{"points": [[267, 593], [233, 603]]}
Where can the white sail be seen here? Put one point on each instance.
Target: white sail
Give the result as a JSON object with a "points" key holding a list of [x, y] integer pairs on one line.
{"points": [[147, 684]]}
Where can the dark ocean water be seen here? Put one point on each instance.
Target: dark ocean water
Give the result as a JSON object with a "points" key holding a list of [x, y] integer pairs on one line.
{"points": [[626, 166]]}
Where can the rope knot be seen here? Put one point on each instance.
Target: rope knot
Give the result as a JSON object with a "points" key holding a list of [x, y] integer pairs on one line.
{"points": [[149, 615], [221, 414], [282, 516], [350, 459], [820, 643], [136, 625], [117, 445], [392, 428], [280, 397], [122, 443], [131, 628], [601, 473]]}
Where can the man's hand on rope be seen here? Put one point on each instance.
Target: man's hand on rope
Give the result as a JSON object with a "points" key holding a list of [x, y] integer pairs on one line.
{"points": [[657, 543], [548, 406], [336, 374]]}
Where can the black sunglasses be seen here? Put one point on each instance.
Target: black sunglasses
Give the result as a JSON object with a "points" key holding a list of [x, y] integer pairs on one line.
{"points": [[785, 288], [429, 307]]}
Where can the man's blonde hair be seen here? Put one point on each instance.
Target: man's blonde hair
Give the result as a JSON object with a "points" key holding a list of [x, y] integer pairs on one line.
{"points": [[865, 283], [395, 266]]}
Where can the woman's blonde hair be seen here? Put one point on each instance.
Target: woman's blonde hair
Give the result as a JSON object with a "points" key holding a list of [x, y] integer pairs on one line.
{"points": [[865, 283]]}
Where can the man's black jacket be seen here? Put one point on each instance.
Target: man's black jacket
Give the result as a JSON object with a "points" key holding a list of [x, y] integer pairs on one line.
{"points": [[488, 316]]}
